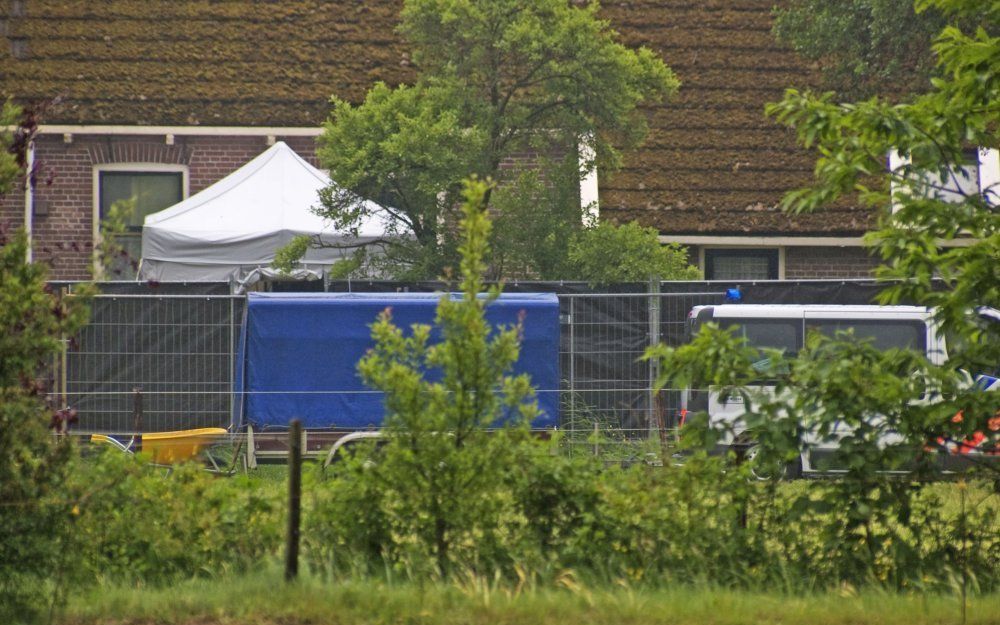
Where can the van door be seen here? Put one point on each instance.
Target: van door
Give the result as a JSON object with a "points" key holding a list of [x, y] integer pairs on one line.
{"points": [[784, 333], [886, 330]]}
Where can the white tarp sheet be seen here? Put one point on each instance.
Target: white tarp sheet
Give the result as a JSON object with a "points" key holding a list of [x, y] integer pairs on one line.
{"points": [[235, 226]]}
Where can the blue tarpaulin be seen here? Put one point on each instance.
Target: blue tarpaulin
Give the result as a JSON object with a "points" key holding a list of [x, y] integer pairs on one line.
{"points": [[298, 354]]}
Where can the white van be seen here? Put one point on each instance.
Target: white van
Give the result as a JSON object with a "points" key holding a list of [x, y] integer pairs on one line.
{"points": [[785, 327]]}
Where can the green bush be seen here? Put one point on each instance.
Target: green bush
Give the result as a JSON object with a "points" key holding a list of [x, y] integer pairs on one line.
{"points": [[702, 523], [135, 523], [33, 461], [607, 253]]}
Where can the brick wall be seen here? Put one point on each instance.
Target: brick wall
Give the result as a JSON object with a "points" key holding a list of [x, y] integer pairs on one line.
{"points": [[64, 207], [63, 221], [802, 263]]}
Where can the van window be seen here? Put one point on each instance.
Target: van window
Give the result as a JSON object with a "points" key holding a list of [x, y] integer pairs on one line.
{"points": [[783, 334], [884, 334]]}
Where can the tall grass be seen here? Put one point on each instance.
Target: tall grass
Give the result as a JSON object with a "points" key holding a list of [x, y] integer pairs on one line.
{"points": [[263, 598]]}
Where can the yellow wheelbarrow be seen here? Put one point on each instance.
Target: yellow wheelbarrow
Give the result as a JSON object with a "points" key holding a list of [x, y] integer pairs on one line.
{"points": [[170, 448]]}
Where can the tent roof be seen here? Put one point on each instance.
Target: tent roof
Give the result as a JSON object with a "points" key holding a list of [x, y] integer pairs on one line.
{"points": [[274, 192]]}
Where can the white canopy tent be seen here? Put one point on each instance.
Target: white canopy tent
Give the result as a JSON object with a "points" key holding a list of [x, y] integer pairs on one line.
{"points": [[233, 228]]}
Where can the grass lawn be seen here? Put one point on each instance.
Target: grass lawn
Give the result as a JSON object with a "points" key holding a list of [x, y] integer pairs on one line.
{"points": [[264, 599]]}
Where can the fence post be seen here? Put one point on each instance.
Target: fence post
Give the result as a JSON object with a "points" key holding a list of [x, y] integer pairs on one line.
{"points": [[294, 500], [137, 410], [63, 359], [572, 370], [652, 402]]}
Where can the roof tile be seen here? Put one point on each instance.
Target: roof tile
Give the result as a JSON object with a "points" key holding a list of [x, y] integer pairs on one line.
{"points": [[713, 163]]}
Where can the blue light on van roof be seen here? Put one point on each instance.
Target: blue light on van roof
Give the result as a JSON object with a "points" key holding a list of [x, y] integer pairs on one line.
{"points": [[734, 295]]}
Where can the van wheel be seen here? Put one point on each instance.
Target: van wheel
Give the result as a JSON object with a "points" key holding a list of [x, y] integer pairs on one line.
{"points": [[747, 450]]}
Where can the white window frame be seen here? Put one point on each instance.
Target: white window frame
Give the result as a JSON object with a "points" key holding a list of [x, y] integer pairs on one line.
{"points": [[138, 168], [780, 248], [988, 167], [589, 184], [989, 172]]}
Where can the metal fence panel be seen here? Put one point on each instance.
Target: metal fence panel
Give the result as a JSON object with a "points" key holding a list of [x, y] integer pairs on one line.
{"points": [[176, 352], [605, 380], [178, 349]]}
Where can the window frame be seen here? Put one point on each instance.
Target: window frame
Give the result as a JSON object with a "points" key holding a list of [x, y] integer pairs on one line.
{"points": [[130, 167], [775, 257], [985, 160]]}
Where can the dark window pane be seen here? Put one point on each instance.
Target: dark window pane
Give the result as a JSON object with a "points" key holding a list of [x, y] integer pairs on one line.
{"points": [[783, 334], [740, 264], [153, 191], [124, 264], [884, 334]]}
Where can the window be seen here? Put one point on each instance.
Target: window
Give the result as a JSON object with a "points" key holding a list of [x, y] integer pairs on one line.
{"points": [[741, 264], [884, 334], [783, 334], [153, 188], [978, 173]]}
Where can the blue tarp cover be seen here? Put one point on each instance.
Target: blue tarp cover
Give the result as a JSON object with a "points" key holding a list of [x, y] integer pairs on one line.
{"points": [[298, 354]]}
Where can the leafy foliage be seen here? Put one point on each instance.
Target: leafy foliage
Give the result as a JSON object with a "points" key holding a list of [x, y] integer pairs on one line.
{"points": [[33, 463], [132, 524], [932, 133], [287, 258], [499, 79], [446, 498], [10, 170], [436, 481], [113, 259], [863, 46], [565, 520], [630, 253], [891, 410]]}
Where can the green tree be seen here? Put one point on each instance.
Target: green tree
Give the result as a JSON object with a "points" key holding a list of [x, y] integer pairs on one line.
{"points": [[9, 166], [33, 463], [863, 46], [897, 407], [436, 477], [630, 253], [498, 80], [932, 133]]}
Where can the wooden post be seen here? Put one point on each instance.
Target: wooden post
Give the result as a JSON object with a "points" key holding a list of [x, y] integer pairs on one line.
{"points": [[294, 499], [137, 410]]}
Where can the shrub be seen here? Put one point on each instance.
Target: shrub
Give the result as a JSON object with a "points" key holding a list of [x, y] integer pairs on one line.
{"points": [[33, 462], [137, 524], [607, 253]]}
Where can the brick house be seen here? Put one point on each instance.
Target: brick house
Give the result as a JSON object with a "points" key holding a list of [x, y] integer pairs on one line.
{"points": [[169, 97]]}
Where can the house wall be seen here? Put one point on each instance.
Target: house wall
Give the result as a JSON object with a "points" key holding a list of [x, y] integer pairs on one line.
{"points": [[808, 262], [802, 263], [64, 196]]}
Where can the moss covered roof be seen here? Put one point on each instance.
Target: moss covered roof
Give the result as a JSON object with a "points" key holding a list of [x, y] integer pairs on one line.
{"points": [[208, 62], [713, 164]]}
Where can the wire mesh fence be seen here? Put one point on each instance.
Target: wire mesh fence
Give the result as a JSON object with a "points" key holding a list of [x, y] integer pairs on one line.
{"points": [[608, 388], [153, 363], [166, 362]]}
